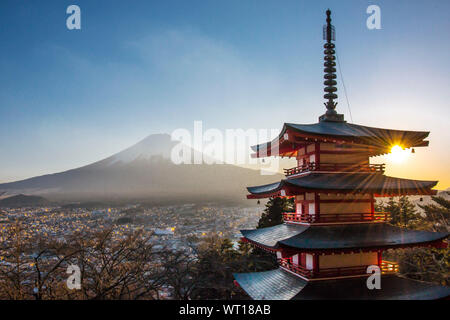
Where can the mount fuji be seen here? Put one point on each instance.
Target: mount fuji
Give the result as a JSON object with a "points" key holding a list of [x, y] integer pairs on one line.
{"points": [[143, 171]]}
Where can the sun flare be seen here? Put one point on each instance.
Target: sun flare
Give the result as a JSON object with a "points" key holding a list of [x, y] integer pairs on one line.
{"points": [[398, 154]]}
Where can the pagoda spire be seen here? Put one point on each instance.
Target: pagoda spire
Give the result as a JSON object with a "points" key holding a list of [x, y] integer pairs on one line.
{"points": [[330, 75]]}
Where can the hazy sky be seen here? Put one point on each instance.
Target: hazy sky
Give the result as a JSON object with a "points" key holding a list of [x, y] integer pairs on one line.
{"points": [[71, 97]]}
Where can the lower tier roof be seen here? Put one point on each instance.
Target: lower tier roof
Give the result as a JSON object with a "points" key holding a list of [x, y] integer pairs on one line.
{"points": [[333, 237], [270, 285], [279, 284], [344, 182]]}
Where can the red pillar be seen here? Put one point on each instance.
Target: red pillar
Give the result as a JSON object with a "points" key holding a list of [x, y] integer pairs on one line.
{"points": [[316, 263], [317, 152], [317, 205], [372, 204]]}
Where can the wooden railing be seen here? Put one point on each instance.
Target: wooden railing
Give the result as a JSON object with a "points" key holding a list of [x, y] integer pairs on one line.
{"points": [[335, 167], [296, 268], [389, 267], [386, 267], [335, 218]]}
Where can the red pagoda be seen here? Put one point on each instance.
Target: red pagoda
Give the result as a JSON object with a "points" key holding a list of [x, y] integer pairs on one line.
{"points": [[325, 247]]}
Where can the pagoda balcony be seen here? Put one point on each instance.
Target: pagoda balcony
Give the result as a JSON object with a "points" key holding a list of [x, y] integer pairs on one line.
{"points": [[389, 267], [386, 267], [335, 167], [336, 217]]}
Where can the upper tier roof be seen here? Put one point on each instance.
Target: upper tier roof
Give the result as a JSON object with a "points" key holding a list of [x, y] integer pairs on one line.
{"points": [[343, 237], [344, 182], [344, 129], [281, 285], [381, 140]]}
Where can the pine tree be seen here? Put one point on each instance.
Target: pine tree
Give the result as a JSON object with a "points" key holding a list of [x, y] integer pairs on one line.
{"points": [[272, 214], [426, 264], [408, 212], [437, 215], [403, 212]]}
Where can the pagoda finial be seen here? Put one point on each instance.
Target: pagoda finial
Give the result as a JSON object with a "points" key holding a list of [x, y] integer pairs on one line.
{"points": [[330, 76]]}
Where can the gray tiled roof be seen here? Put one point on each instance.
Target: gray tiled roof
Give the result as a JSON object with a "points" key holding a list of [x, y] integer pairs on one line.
{"points": [[358, 182], [280, 285], [270, 285], [378, 137], [349, 236], [392, 288], [344, 129], [270, 236]]}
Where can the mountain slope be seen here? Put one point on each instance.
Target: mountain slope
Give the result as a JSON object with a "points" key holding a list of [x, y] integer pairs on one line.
{"points": [[144, 171], [22, 200]]}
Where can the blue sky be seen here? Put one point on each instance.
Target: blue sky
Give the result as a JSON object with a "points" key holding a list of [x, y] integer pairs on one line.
{"points": [[71, 97]]}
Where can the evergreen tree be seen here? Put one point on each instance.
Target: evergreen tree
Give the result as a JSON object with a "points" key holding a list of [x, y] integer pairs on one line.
{"points": [[403, 212], [426, 264], [408, 212], [272, 214], [393, 209], [437, 215]]}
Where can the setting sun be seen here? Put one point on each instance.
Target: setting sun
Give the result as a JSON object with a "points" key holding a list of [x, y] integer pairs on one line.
{"points": [[398, 154]]}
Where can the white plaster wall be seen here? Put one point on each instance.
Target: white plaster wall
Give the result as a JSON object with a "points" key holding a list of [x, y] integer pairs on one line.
{"points": [[309, 261], [312, 208], [299, 208]]}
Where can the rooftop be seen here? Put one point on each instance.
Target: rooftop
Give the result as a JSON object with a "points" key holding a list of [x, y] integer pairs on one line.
{"points": [[344, 182], [340, 237], [281, 285]]}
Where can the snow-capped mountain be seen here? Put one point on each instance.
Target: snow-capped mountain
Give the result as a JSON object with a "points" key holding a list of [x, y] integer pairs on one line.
{"points": [[143, 171]]}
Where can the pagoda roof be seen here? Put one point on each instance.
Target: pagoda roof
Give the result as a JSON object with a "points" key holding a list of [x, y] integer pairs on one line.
{"points": [[279, 284], [270, 285], [343, 129], [344, 182], [340, 237], [379, 138]]}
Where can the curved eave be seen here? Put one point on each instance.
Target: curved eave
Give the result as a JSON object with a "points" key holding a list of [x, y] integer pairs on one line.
{"points": [[270, 285], [341, 238], [279, 284], [378, 184], [379, 140], [393, 287], [269, 237]]}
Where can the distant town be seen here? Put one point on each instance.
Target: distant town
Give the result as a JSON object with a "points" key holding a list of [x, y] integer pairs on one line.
{"points": [[167, 225]]}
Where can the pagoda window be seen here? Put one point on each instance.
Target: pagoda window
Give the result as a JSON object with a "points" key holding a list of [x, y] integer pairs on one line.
{"points": [[300, 208], [312, 208], [309, 261]]}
